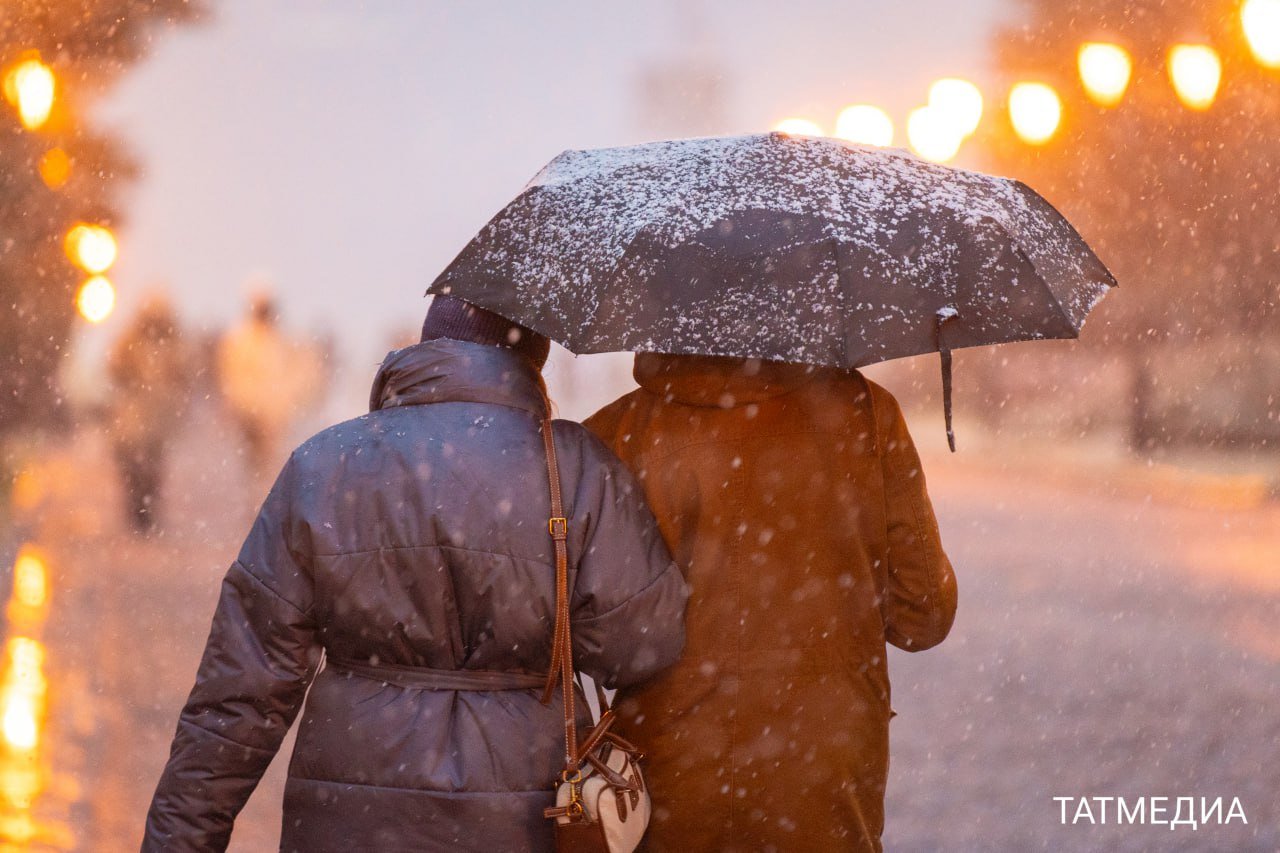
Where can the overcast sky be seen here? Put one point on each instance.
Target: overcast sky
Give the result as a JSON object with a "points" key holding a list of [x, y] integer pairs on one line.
{"points": [[348, 150]]}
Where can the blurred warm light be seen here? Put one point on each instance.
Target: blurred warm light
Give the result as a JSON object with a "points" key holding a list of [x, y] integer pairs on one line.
{"points": [[96, 299], [932, 136], [1036, 111], [865, 124], [22, 694], [29, 86], [25, 659], [1261, 20], [1196, 71], [30, 579], [798, 127], [20, 784], [23, 691], [18, 829], [959, 102], [28, 490], [19, 724], [55, 168], [1104, 71], [92, 247]]}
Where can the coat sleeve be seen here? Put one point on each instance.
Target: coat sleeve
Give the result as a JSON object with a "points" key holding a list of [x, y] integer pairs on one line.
{"points": [[629, 596], [920, 597], [261, 655]]}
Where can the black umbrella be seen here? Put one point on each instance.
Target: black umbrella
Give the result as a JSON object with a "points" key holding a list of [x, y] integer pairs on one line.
{"points": [[778, 247]]}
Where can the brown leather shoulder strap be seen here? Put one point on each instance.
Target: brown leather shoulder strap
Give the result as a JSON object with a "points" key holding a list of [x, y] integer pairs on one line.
{"points": [[562, 639]]}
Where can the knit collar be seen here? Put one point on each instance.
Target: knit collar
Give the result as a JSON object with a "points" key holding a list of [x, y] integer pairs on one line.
{"points": [[445, 370]]}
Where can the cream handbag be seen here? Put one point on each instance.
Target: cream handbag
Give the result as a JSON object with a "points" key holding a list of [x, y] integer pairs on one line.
{"points": [[602, 804]]}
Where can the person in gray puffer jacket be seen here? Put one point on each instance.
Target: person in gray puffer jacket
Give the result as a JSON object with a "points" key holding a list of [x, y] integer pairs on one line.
{"points": [[408, 549]]}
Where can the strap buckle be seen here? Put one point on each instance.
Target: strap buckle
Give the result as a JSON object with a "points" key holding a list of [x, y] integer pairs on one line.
{"points": [[558, 528]]}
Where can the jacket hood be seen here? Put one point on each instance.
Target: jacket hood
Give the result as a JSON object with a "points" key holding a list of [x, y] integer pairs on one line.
{"points": [[704, 380], [445, 370]]}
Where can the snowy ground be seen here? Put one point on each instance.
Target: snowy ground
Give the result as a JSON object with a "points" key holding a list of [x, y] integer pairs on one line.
{"points": [[1106, 645]]}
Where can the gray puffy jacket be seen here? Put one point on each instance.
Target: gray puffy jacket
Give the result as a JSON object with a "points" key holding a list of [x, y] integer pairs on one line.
{"points": [[409, 544]]}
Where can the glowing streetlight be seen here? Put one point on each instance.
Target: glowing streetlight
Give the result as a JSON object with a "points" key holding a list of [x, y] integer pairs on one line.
{"points": [[1261, 20], [959, 102], [29, 86], [91, 247], [1036, 111], [798, 127], [1104, 71], [1196, 71], [96, 299], [932, 136], [55, 168], [865, 124]]}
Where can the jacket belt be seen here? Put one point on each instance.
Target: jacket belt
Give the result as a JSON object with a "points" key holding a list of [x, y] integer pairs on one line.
{"points": [[425, 678]]}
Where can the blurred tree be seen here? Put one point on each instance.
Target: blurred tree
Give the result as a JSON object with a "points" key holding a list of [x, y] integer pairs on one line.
{"points": [[57, 174], [1180, 203]]}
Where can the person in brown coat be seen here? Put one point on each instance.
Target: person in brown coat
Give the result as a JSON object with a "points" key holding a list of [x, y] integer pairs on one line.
{"points": [[794, 502]]}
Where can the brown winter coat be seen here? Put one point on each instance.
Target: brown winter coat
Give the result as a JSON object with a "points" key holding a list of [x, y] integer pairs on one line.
{"points": [[416, 537], [794, 501]]}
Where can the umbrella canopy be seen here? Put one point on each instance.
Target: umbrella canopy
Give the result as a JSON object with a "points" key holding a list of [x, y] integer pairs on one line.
{"points": [[778, 247]]}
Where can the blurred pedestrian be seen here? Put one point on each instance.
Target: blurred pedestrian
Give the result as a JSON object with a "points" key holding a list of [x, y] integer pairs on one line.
{"points": [[412, 546], [793, 499], [265, 377], [147, 369]]}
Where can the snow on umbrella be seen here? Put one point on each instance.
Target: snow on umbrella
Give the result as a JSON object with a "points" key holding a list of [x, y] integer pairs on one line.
{"points": [[783, 248]]}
